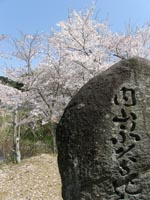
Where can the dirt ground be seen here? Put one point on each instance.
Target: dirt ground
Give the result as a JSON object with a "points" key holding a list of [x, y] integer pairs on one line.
{"points": [[36, 178]]}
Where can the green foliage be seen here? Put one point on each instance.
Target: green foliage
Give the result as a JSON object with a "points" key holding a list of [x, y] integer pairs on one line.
{"points": [[34, 139], [1, 121], [39, 133], [6, 143]]}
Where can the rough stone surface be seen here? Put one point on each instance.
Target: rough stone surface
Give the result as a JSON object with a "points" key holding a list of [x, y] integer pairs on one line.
{"points": [[103, 137]]}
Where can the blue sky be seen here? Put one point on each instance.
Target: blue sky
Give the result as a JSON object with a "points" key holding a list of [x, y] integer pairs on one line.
{"points": [[32, 16]]}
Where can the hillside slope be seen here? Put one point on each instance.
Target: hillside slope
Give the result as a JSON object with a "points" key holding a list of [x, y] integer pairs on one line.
{"points": [[6, 81]]}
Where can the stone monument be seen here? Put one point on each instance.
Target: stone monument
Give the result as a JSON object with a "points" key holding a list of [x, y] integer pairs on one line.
{"points": [[103, 137]]}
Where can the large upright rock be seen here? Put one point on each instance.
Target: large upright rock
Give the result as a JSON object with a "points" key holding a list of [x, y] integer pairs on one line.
{"points": [[103, 137]]}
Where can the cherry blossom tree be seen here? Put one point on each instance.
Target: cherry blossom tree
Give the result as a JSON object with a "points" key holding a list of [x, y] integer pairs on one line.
{"points": [[83, 45], [69, 57], [25, 50], [73, 55], [49, 95], [55, 65], [135, 41], [2, 39]]}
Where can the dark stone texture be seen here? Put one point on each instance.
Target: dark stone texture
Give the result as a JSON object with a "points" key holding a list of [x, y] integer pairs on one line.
{"points": [[103, 137]]}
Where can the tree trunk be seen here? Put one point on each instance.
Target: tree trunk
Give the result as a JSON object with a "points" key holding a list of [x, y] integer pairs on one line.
{"points": [[16, 140], [17, 150], [53, 132]]}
